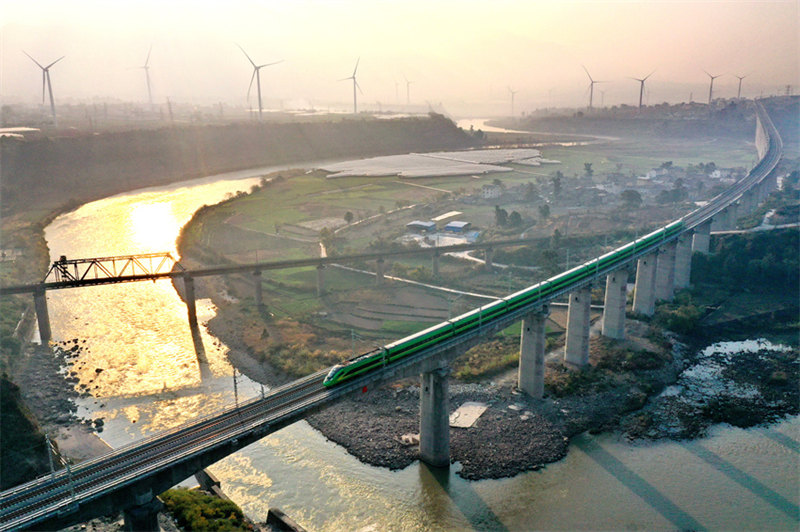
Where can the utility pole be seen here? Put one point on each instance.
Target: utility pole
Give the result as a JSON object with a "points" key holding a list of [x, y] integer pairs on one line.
{"points": [[235, 389], [50, 456]]}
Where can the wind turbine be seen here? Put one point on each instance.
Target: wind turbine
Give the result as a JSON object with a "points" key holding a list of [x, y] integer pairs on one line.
{"points": [[513, 92], [257, 76], [739, 92], [711, 86], [146, 68], [408, 90], [641, 86], [46, 81], [591, 86], [355, 86]]}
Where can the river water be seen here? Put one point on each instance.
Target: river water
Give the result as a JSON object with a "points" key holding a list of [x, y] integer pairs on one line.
{"points": [[138, 335]]}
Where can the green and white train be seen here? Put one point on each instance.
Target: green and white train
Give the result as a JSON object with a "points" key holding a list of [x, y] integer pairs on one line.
{"points": [[487, 314]]}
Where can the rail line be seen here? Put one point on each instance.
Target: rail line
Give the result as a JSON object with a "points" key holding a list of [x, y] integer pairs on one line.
{"points": [[60, 494]]}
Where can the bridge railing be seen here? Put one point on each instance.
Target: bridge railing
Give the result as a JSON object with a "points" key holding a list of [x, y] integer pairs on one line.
{"points": [[74, 270]]}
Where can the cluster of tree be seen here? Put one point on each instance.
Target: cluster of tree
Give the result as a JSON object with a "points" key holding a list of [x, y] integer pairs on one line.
{"points": [[678, 193], [195, 510], [503, 219], [701, 168], [23, 455], [755, 261]]}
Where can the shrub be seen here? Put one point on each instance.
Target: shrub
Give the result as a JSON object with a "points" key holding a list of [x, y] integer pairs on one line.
{"points": [[195, 510]]}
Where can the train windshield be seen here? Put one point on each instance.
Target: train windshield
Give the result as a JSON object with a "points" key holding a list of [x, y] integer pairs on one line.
{"points": [[332, 372]]}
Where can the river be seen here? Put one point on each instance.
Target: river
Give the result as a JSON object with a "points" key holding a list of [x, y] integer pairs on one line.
{"points": [[138, 335]]}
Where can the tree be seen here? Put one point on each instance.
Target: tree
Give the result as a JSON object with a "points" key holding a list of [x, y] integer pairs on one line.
{"points": [[496, 182], [500, 216], [666, 165], [544, 211], [514, 219], [531, 192], [348, 217], [587, 169], [555, 242], [556, 180], [631, 198]]}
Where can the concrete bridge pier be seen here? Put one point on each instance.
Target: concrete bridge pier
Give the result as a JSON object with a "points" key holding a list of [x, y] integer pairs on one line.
{"points": [[434, 418], [771, 183], [733, 212], [702, 238], [42, 315], [614, 304], [665, 273], [488, 255], [379, 276], [259, 296], [320, 280], [530, 378], [143, 515], [722, 220], [748, 202], [189, 297], [576, 350], [435, 265], [644, 293], [683, 262]]}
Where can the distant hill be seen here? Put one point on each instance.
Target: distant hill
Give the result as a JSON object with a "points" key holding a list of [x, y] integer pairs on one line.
{"points": [[49, 172], [726, 119], [785, 113]]}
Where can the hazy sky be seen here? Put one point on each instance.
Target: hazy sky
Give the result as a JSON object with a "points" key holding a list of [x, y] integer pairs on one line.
{"points": [[461, 53]]}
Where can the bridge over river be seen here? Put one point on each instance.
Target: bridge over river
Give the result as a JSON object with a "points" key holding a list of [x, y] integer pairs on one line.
{"points": [[129, 477]]}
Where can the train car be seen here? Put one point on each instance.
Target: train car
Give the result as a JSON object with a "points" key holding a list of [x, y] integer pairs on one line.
{"points": [[355, 366]]}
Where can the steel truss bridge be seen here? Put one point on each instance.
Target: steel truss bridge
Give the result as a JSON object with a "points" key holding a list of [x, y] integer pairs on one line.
{"points": [[147, 467]]}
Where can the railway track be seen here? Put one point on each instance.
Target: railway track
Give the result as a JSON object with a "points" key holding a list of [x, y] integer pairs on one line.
{"points": [[29, 503]]}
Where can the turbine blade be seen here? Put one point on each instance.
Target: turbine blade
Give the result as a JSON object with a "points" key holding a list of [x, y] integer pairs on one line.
{"points": [[270, 64], [356, 68], [54, 62], [358, 86], [247, 56], [32, 59], [650, 74], [147, 61], [587, 73], [249, 87]]}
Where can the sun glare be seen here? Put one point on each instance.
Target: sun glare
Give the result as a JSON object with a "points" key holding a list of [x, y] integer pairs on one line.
{"points": [[153, 226]]}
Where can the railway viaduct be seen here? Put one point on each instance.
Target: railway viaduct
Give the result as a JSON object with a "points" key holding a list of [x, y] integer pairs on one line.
{"points": [[129, 478]]}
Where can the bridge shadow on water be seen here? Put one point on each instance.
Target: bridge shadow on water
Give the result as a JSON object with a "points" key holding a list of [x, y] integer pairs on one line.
{"points": [[639, 486], [745, 480], [436, 484], [778, 437]]}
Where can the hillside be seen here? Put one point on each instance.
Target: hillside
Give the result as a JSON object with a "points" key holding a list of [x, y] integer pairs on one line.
{"points": [[49, 172]]}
